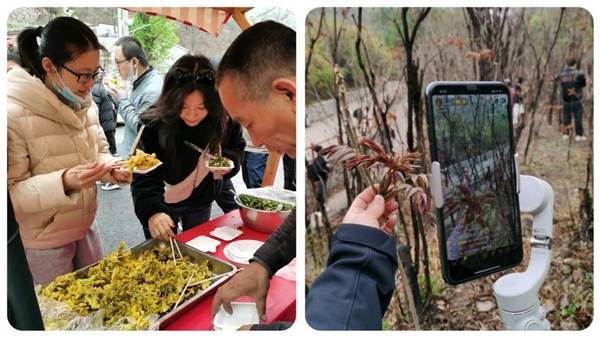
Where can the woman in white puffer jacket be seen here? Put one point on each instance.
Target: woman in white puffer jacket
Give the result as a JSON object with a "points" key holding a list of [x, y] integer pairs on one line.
{"points": [[56, 147]]}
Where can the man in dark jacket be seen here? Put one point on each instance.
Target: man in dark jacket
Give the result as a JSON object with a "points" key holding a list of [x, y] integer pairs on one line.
{"points": [[106, 113], [262, 97], [572, 82]]}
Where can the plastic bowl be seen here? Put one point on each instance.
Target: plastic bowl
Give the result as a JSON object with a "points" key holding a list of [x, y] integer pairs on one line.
{"points": [[259, 220]]}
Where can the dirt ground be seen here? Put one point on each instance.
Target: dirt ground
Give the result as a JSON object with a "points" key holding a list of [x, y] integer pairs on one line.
{"points": [[567, 293]]}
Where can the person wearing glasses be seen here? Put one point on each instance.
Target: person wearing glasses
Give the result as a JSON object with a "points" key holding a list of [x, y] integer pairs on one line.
{"points": [[56, 147], [188, 111], [142, 88]]}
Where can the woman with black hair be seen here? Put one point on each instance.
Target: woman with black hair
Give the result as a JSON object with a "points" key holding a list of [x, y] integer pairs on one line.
{"points": [[56, 147], [183, 188]]}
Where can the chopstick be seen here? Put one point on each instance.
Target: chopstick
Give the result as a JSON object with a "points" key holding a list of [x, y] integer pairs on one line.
{"points": [[197, 149], [115, 165], [172, 250], [215, 277], [184, 289], [177, 246], [137, 140]]}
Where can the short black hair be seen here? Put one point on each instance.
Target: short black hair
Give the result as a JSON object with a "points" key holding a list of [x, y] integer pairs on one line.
{"points": [[132, 48], [260, 54], [572, 62]]}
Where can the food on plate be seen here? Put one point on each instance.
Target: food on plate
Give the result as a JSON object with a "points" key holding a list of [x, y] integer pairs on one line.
{"points": [[141, 161], [219, 161], [130, 288], [264, 204]]}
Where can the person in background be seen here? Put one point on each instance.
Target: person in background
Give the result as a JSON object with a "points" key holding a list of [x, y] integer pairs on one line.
{"points": [[266, 106], [572, 82], [517, 101], [12, 58], [255, 161], [318, 173], [108, 120], [56, 147], [289, 173], [142, 86], [182, 188]]}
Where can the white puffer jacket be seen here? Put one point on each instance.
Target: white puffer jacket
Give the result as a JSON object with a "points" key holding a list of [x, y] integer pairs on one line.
{"points": [[46, 137]]}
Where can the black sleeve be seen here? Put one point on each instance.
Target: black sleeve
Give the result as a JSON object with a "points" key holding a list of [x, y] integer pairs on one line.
{"points": [[148, 189], [356, 287], [233, 147], [280, 247], [580, 80]]}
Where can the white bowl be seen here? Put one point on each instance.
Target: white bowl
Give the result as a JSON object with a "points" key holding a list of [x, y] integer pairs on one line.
{"points": [[244, 313]]}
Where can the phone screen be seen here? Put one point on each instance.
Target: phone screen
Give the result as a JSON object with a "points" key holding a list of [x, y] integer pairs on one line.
{"points": [[473, 145]]}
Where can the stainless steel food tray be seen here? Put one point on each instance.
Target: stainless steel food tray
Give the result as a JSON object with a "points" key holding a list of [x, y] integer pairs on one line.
{"points": [[216, 265]]}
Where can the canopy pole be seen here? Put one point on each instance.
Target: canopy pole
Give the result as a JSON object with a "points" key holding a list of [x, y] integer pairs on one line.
{"points": [[271, 169], [240, 19]]}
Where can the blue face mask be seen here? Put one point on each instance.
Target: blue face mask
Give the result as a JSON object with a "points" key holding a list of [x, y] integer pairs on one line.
{"points": [[66, 92]]}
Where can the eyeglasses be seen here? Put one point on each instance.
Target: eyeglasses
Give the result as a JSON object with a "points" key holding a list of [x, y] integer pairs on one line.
{"points": [[119, 62], [84, 78]]}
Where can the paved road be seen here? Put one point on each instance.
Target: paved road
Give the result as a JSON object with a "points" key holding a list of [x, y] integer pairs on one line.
{"points": [[116, 220], [322, 120]]}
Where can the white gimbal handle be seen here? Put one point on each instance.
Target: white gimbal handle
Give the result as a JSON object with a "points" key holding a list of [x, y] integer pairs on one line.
{"points": [[517, 293]]}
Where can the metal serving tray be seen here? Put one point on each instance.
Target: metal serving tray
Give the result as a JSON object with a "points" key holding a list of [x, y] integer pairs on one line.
{"points": [[217, 266]]}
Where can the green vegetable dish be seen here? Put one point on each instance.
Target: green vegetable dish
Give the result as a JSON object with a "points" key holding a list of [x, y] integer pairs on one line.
{"points": [[264, 204], [134, 288], [219, 162]]}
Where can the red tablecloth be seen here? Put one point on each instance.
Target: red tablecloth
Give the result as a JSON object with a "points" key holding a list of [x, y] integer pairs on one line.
{"points": [[281, 299]]}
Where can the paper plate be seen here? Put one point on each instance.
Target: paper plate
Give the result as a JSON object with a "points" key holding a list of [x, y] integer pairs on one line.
{"points": [[144, 171], [204, 244], [226, 233], [241, 251], [221, 169], [244, 313]]}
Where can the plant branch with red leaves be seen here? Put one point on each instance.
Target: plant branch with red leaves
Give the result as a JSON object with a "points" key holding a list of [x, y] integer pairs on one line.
{"points": [[389, 174]]}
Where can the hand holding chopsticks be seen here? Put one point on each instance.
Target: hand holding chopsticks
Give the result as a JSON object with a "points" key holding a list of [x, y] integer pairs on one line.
{"points": [[85, 175]]}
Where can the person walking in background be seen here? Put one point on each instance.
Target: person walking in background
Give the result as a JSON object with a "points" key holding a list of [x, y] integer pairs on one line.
{"points": [[516, 100], [255, 161], [318, 173], [108, 121], [56, 147], [183, 189], [107, 113], [142, 86], [572, 82]]}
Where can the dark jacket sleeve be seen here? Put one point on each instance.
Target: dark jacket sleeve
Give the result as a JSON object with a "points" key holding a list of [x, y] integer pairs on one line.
{"points": [[233, 147], [106, 109], [148, 189], [356, 287], [280, 247]]}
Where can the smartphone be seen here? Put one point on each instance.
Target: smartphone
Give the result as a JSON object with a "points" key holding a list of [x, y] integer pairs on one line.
{"points": [[474, 178]]}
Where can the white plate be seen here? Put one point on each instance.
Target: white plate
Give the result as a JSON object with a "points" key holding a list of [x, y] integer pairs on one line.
{"points": [[138, 171], [226, 233], [221, 168], [244, 313], [241, 251], [204, 243]]}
